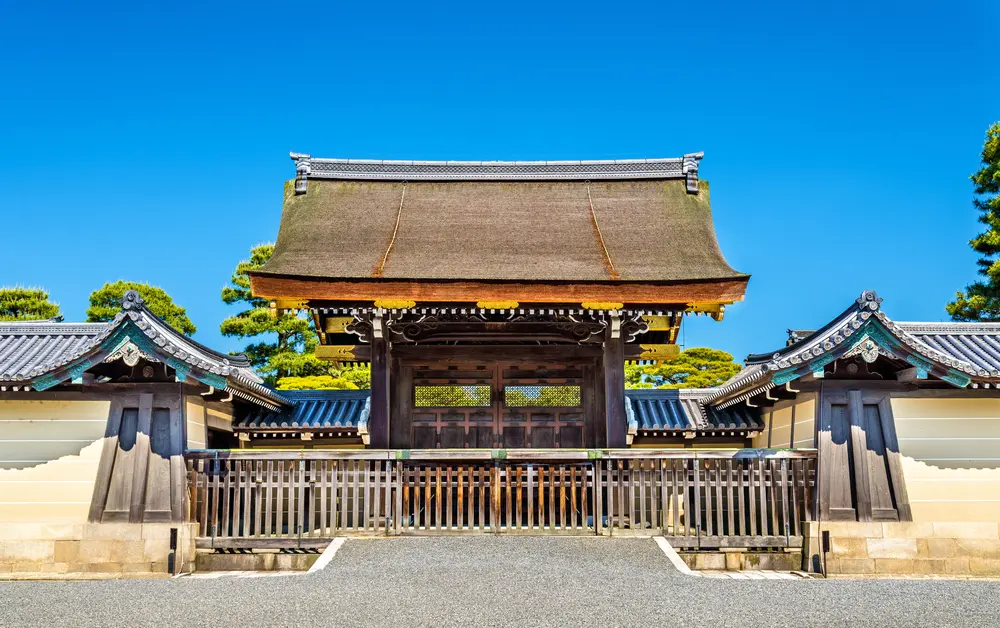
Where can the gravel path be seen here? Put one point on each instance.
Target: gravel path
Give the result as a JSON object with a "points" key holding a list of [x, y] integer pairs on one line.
{"points": [[527, 581]]}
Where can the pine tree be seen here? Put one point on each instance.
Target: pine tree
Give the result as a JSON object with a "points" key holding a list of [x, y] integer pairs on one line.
{"points": [[694, 368], [106, 302], [286, 343], [981, 300], [26, 304]]}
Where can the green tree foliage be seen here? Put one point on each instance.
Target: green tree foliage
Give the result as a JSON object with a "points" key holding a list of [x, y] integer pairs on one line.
{"points": [[547, 396], [694, 368], [26, 304], [285, 344], [106, 302], [453, 396], [981, 300], [357, 377]]}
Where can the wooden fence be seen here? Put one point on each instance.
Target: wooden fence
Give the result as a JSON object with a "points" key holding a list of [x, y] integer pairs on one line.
{"points": [[698, 499]]}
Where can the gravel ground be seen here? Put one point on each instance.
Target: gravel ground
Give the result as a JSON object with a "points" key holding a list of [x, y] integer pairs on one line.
{"points": [[527, 581]]}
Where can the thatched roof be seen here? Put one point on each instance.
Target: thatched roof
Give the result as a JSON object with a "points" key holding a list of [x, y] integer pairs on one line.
{"points": [[578, 226]]}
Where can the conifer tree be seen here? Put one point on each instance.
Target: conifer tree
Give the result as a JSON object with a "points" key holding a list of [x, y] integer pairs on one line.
{"points": [[697, 367], [981, 300], [284, 345], [106, 302], [26, 304]]}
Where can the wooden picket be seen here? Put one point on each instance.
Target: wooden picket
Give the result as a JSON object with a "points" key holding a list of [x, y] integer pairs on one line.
{"points": [[737, 498]]}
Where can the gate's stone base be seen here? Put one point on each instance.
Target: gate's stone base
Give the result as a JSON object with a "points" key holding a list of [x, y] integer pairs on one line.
{"points": [[739, 560], [258, 560], [952, 549], [38, 550]]}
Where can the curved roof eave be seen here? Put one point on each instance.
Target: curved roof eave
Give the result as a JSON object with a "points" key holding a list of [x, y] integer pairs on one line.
{"points": [[863, 329], [137, 325]]}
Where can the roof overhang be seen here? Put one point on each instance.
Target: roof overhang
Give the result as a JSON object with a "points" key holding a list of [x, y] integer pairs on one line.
{"points": [[134, 331], [704, 295], [861, 330]]}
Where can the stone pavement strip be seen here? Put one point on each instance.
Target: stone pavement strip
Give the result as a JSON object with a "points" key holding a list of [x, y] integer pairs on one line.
{"points": [[500, 581]]}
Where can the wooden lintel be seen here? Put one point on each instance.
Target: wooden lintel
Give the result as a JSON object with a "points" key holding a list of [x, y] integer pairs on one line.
{"points": [[337, 324], [344, 353], [437, 291], [659, 352]]}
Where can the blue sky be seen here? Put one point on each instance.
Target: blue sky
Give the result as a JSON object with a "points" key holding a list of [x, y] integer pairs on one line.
{"points": [[149, 141]]}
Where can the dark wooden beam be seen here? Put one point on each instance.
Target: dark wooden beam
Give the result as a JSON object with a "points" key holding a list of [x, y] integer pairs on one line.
{"points": [[437, 291], [378, 418], [614, 387], [486, 353]]}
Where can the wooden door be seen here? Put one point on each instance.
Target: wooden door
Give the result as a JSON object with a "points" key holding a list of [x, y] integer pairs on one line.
{"points": [[499, 405], [541, 406]]}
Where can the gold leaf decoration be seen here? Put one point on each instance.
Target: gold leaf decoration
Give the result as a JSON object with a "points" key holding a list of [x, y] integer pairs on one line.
{"points": [[497, 305], [659, 352], [602, 305], [394, 304]]}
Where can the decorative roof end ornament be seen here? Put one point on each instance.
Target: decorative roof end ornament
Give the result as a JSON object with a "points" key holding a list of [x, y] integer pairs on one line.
{"points": [[303, 168], [132, 300], [869, 301], [690, 170]]}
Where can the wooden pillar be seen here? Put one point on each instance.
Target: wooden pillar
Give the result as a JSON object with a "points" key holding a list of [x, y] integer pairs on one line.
{"points": [[400, 404], [378, 418], [614, 385]]}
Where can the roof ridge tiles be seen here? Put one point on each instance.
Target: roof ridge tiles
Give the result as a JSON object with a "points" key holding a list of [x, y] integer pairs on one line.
{"points": [[308, 167]]}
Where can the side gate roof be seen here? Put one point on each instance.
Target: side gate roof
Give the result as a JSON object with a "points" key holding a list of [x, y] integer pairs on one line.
{"points": [[958, 353], [37, 355]]}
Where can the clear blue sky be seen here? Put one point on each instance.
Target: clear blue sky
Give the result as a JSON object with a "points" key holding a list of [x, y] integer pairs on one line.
{"points": [[149, 141]]}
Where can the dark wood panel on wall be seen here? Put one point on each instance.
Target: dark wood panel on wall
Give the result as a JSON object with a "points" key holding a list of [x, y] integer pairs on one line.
{"points": [[859, 461], [140, 475]]}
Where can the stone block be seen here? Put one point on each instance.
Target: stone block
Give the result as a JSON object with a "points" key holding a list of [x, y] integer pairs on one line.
{"points": [[107, 567], [156, 548], [939, 548], [941, 566], [67, 551], [852, 566], [6, 567], [113, 532], [957, 566], [133, 568], [848, 547], [896, 566], [980, 548], [694, 560], [92, 551], [928, 566], [892, 548], [907, 530], [56, 567], [734, 561], [984, 566], [774, 561], [977, 530], [27, 550], [26, 566], [63, 531], [854, 528], [130, 552], [158, 567]]}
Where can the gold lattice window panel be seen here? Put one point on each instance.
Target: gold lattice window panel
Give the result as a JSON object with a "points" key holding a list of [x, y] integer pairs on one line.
{"points": [[451, 396], [541, 396]]}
